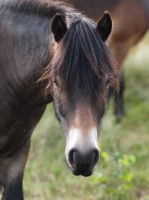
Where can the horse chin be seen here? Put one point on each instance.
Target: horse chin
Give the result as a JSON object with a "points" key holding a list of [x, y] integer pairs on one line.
{"points": [[82, 173]]}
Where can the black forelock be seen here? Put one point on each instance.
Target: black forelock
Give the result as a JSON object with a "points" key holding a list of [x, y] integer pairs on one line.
{"points": [[82, 58]]}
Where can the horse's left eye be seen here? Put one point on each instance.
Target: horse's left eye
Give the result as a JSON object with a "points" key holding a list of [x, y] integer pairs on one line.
{"points": [[109, 79], [56, 85]]}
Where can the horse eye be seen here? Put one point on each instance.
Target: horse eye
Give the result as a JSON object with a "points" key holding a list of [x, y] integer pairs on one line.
{"points": [[109, 79], [55, 83]]}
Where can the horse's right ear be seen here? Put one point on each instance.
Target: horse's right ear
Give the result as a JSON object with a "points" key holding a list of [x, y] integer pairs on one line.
{"points": [[58, 27], [104, 26]]}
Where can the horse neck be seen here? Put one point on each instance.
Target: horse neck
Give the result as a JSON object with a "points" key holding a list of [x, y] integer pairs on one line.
{"points": [[24, 53]]}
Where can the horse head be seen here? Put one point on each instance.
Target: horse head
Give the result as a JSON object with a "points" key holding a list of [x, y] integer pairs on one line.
{"points": [[81, 71]]}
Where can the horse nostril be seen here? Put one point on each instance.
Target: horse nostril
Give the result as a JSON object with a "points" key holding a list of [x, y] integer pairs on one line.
{"points": [[72, 157], [96, 156]]}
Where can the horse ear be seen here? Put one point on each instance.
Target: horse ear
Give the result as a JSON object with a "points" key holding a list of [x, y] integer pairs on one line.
{"points": [[58, 27], [104, 26]]}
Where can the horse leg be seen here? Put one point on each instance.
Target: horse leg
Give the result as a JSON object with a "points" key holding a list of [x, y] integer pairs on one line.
{"points": [[118, 98], [120, 50], [12, 170]]}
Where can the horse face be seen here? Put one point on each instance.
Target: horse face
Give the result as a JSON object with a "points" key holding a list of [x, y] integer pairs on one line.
{"points": [[80, 99], [80, 114]]}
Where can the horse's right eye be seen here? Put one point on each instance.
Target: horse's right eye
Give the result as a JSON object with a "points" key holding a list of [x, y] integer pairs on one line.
{"points": [[109, 79], [55, 83]]}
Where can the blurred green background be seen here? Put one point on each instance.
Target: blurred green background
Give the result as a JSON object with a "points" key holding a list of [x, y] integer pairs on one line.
{"points": [[123, 170]]}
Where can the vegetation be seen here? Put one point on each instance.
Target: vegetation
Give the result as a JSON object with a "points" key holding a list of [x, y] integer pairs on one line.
{"points": [[123, 170]]}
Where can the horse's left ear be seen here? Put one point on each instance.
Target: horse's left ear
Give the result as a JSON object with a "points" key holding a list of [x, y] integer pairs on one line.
{"points": [[104, 26], [58, 27]]}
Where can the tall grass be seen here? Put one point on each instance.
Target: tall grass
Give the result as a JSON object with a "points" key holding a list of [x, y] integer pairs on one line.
{"points": [[47, 176]]}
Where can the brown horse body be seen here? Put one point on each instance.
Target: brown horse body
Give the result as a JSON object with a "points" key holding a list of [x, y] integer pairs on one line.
{"points": [[130, 23], [49, 48]]}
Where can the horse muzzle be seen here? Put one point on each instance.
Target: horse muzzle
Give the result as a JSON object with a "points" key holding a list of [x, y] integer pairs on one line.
{"points": [[83, 163], [82, 152]]}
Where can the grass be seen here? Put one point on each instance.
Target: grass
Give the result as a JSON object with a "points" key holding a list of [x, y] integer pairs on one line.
{"points": [[47, 176]]}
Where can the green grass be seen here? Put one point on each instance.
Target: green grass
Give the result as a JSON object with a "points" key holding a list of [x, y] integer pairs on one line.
{"points": [[47, 176]]}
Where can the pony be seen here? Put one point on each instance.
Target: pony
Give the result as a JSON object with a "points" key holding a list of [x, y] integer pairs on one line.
{"points": [[49, 52], [131, 22]]}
